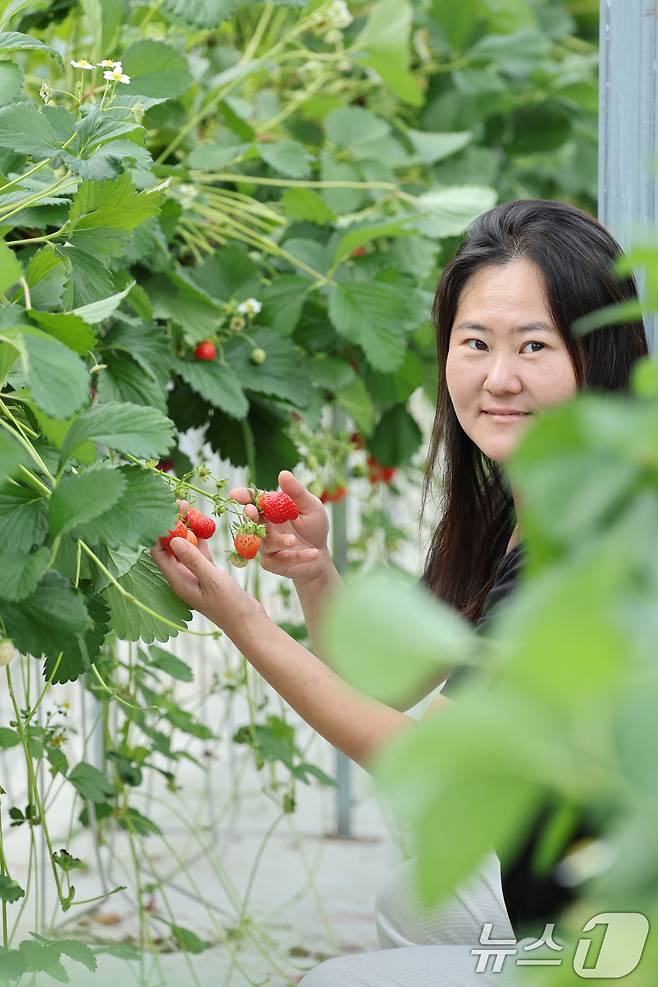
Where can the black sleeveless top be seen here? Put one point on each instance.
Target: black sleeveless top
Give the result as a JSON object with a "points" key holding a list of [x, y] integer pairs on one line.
{"points": [[532, 899]]}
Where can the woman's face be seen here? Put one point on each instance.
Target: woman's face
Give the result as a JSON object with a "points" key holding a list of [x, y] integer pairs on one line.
{"points": [[498, 366]]}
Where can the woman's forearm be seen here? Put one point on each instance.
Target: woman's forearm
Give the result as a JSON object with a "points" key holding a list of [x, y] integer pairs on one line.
{"points": [[313, 596], [351, 721]]}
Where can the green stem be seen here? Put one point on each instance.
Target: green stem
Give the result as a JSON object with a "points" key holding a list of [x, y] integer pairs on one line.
{"points": [[33, 783], [291, 182], [27, 446], [35, 482], [36, 239], [4, 869], [24, 203], [46, 687]]}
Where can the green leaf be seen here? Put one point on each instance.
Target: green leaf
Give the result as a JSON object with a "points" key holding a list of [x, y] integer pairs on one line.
{"points": [[200, 13], [124, 380], [379, 617], [78, 499], [396, 438], [79, 656], [307, 205], [278, 375], [30, 623], [128, 428], [23, 517], [101, 309], [449, 211], [229, 273], [12, 455], [8, 738], [46, 275], [145, 510], [170, 664], [89, 279], [340, 200], [19, 573], [109, 160], [39, 133], [102, 214], [384, 45], [187, 940], [288, 157], [10, 268], [352, 125], [11, 82], [218, 385], [283, 301], [358, 235], [14, 41], [372, 314], [147, 344], [146, 582], [90, 783], [156, 69], [356, 401], [10, 891], [57, 377], [68, 328], [429, 147], [133, 821], [195, 311]]}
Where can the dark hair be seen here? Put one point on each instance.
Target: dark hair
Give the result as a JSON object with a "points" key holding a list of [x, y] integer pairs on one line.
{"points": [[575, 253]]}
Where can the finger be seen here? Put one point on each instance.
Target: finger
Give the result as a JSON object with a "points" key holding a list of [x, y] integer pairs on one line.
{"points": [[194, 560], [304, 500], [251, 511], [181, 580], [183, 506], [205, 551], [295, 555], [241, 494]]}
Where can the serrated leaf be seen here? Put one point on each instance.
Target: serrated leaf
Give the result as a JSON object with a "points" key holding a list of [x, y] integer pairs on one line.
{"points": [[431, 147], [8, 738], [156, 69], [278, 375], [68, 328], [123, 380], [449, 211], [78, 499], [117, 561], [170, 664], [46, 276], [145, 510], [30, 623], [10, 891], [352, 125], [146, 343], [19, 573], [11, 82], [307, 205], [128, 428], [109, 160], [174, 297], [146, 582], [228, 273], [102, 214], [78, 657], [27, 130], [218, 385], [12, 454], [15, 41], [200, 13], [356, 237], [372, 314], [133, 820], [10, 267], [91, 783], [283, 301], [188, 941], [89, 279], [57, 377], [101, 309], [23, 517], [384, 45], [288, 157]]}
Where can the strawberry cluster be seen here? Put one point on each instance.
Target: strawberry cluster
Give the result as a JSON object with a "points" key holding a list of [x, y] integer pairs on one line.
{"points": [[274, 506], [190, 526]]}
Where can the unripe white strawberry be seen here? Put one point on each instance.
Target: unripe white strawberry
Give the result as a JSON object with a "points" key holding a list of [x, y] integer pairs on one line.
{"points": [[7, 650]]}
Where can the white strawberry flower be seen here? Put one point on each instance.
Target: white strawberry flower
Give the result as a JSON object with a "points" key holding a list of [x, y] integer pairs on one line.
{"points": [[82, 64], [338, 14], [45, 92], [108, 63], [117, 75], [7, 651], [250, 306]]}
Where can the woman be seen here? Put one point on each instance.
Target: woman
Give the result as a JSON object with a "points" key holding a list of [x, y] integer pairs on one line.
{"points": [[503, 311]]}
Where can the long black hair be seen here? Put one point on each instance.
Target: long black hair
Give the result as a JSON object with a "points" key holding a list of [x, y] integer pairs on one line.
{"points": [[575, 253]]}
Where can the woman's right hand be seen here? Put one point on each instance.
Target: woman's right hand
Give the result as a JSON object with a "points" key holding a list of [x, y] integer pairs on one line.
{"points": [[295, 549]]}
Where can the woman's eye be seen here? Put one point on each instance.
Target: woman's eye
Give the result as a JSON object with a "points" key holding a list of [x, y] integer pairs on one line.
{"points": [[531, 343]]}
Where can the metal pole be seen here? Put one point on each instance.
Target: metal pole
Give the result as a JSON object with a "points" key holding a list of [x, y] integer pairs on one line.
{"points": [[628, 126], [339, 552]]}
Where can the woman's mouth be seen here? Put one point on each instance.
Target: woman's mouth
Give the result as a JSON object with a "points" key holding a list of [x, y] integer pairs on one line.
{"points": [[507, 416]]}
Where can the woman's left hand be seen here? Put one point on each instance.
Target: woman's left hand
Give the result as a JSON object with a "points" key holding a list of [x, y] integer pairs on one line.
{"points": [[194, 577]]}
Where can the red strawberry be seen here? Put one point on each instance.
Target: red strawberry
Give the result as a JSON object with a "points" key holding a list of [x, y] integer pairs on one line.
{"points": [[356, 440], [358, 252], [191, 537], [205, 350], [166, 465], [277, 506], [334, 496], [246, 545], [378, 473], [179, 531], [202, 525]]}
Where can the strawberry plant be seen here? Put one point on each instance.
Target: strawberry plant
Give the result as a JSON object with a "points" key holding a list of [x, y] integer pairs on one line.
{"points": [[226, 217]]}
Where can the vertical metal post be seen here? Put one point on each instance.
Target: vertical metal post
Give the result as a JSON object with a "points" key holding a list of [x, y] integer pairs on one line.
{"points": [[339, 553], [628, 126]]}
